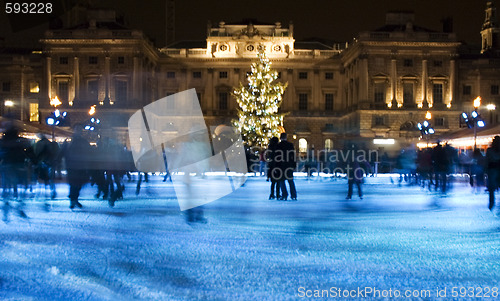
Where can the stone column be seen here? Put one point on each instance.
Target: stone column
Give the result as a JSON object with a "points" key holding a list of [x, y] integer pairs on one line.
{"points": [[76, 76], [393, 83], [452, 81], [49, 77], [107, 78], [424, 83]]}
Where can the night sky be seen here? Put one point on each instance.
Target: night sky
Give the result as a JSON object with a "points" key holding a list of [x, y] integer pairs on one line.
{"points": [[338, 20]]}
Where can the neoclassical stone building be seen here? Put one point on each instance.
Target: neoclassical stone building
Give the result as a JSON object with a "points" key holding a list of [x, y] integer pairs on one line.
{"points": [[380, 85]]}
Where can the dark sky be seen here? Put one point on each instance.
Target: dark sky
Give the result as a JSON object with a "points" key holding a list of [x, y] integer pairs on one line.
{"points": [[338, 20]]}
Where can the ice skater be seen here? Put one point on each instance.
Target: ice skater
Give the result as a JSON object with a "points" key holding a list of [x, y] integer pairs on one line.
{"points": [[285, 159], [493, 169]]}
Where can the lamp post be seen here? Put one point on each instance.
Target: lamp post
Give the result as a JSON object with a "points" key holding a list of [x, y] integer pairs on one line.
{"points": [[9, 104], [475, 120], [425, 127], [52, 121]]}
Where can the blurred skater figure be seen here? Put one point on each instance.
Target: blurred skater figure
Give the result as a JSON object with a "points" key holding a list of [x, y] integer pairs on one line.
{"points": [[493, 169], [273, 172], [478, 167], [441, 163], [262, 162], [15, 152], [46, 154], [356, 168], [76, 154], [285, 160]]}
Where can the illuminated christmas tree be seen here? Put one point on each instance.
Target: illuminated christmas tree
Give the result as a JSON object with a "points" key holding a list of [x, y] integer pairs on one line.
{"points": [[259, 102]]}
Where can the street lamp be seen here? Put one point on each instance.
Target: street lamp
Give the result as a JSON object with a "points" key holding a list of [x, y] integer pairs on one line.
{"points": [[425, 127], [56, 118], [475, 120]]}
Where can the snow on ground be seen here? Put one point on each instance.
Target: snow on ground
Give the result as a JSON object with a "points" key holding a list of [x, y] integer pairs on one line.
{"points": [[397, 238]]}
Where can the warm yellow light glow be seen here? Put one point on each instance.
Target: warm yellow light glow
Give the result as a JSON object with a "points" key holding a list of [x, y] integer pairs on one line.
{"points": [[389, 104], [469, 141], [70, 102], [34, 87], [9, 103], [420, 105], [491, 107], [428, 115], [425, 145], [55, 102], [384, 141], [477, 102], [92, 110], [400, 105], [448, 105]]}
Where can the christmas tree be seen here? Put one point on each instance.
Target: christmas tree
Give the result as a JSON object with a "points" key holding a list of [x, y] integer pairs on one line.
{"points": [[259, 102]]}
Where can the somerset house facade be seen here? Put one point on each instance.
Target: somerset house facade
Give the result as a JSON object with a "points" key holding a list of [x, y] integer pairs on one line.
{"points": [[380, 85]]}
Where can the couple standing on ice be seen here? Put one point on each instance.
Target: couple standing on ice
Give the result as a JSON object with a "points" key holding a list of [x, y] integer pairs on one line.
{"points": [[280, 157]]}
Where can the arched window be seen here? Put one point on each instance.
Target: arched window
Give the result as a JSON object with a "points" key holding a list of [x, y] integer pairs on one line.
{"points": [[302, 145], [328, 144]]}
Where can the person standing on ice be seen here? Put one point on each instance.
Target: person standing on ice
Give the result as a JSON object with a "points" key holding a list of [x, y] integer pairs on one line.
{"points": [[493, 169], [75, 154], [356, 167], [273, 172], [285, 160]]}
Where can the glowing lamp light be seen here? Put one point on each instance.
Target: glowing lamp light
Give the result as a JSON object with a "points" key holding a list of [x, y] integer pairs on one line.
{"points": [[426, 123], [87, 127], [384, 141], [57, 113], [92, 110], [464, 115], [55, 102], [419, 125], [477, 102], [491, 107], [481, 123], [92, 119], [428, 115], [51, 121], [474, 114], [9, 103], [431, 131]]}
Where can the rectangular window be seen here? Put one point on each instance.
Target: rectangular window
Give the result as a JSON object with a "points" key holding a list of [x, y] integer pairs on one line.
{"points": [[467, 90], [328, 75], [438, 63], [408, 63], [121, 60], [34, 116], [408, 94], [34, 87], [494, 89], [223, 101], [437, 93], [197, 74], [302, 75], [303, 101], [379, 120], [170, 74], [63, 91], [6, 87], [93, 60], [63, 60], [93, 90], [379, 93], [329, 102], [121, 87], [439, 121], [223, 74]]}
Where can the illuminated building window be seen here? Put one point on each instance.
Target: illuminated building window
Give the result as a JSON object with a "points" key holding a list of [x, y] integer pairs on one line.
{"points": [[223, 74], [302, 145], [34, 87], [34, 117], [303, 101], [328, 75], [466, 90], [328, 144], [302, 75], [329, 102], [494, 89], [63, 60]]}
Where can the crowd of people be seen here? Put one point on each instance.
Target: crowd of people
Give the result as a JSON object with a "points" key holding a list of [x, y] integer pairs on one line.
{"points": [[24, 164]]}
